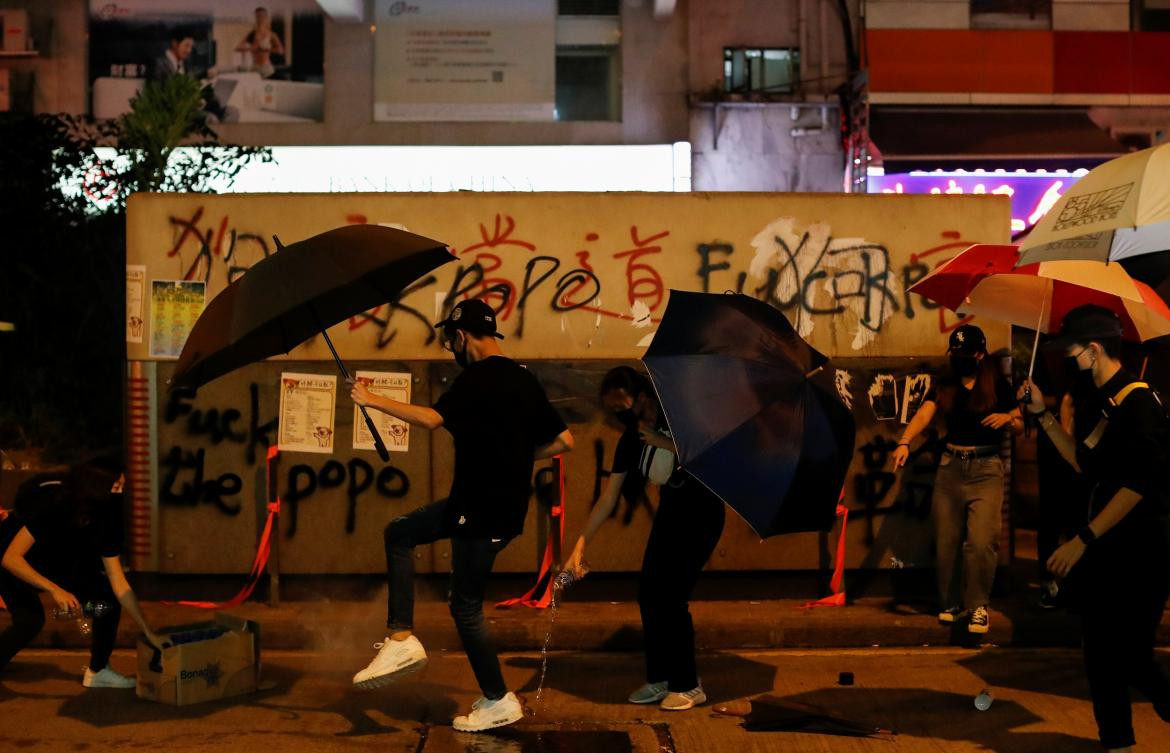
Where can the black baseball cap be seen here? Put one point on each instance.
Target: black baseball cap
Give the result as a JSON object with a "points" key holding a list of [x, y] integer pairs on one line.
{"points": [[472, 316], [967, 340], [1085, 323]]}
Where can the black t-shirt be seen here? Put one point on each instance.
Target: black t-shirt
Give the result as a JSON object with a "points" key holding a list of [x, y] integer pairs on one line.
{"points": [[63, 551], [963, 423], [652, 463], [1131, 453], [498, 414]]}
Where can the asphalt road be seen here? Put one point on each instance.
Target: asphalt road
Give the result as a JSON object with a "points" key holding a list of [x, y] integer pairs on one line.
{"points": [[926, 695]]}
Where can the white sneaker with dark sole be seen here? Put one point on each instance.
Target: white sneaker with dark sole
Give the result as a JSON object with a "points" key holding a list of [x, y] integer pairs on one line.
{"points": [[683, 701], [395, 660], [651, 692], [487, 714], [107, 678]]}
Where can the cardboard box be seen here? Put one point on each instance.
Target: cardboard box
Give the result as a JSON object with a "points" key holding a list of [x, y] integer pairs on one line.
{"points": [[197, 668]]}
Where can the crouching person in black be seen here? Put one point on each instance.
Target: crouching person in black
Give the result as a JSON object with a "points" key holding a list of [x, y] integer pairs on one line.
{"points": [[1120, 560], [65, 538]]}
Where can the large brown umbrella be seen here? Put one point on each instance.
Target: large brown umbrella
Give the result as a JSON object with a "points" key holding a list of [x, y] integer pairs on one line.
{"points": [[299, 292]]}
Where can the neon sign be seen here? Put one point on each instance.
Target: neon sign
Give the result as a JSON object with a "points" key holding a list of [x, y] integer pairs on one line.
{"points": [[1032, 193]]}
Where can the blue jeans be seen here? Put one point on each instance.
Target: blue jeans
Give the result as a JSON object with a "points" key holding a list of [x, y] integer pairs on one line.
{"points": [[471, 564]]}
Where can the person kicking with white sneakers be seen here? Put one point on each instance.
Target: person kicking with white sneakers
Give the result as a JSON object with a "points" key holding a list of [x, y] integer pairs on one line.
{"points": [[502, 423]]}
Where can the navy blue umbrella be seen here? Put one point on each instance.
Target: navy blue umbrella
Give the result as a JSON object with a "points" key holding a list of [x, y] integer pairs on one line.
{"points": [[749, 410]]}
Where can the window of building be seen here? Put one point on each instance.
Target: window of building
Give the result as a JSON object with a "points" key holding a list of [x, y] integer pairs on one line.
{"points": [[588, 64], [1011, 14], [588, 83], [1152, 15], [774, 70]]}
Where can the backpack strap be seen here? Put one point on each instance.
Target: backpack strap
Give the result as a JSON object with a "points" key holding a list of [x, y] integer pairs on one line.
{"points": [[1125, 391]]}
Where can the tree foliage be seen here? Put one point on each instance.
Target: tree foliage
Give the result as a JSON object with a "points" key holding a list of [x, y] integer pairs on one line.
{"points": [[63, 255]]}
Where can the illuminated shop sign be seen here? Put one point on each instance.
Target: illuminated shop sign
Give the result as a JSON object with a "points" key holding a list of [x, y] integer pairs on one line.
{"points": [[1032, 192]]}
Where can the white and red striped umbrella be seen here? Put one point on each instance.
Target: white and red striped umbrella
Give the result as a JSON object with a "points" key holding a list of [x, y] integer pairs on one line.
{"points": [[984, 281]]}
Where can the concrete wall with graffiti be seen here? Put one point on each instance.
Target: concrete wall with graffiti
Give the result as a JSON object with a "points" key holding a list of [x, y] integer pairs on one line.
{"points": [[580, 281]]}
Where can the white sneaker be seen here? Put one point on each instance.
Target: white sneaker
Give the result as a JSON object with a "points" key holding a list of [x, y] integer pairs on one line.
{"points": [[107, 678], [651, 692], [683, 701], [487, 714], [395, 660]]}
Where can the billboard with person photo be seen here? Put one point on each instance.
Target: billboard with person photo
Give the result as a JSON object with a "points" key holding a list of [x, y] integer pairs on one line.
{"points": [[262, 63]]}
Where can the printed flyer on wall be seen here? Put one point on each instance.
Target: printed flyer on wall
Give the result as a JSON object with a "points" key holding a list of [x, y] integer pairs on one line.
{"points": [[307, 406], [395, 433], [135, 297], [175, 305]]}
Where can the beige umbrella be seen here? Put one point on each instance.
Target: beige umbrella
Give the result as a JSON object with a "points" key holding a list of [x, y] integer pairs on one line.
{"points": [[1119, 210]]}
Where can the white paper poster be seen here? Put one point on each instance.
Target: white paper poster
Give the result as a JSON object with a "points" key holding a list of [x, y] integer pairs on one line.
{"points": [[395, 433], [135, 296], [465, 60], [307, 406]]}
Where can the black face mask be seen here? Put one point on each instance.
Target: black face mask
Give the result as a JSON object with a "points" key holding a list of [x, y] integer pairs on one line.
{"points": [[964, 366], [461, 355], [1077, 376], [628, 417]]}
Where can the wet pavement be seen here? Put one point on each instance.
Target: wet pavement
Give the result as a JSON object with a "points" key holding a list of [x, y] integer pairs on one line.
{"points": [[308, 704]]}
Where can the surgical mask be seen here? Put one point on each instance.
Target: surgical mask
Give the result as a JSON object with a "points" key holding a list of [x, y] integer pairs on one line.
{"points": [[964, 366], [627, 416]]}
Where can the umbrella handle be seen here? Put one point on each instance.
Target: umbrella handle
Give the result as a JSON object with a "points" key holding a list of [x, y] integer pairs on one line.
{"points": [[379, 445]]}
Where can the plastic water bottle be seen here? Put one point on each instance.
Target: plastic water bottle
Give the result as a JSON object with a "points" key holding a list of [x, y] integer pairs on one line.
{"points": [[983, 700], [566, 578], [90, 611]]}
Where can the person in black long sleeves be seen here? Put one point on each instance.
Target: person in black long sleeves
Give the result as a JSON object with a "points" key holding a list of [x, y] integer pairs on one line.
{"points": [[686, 529], [1121, 558], [501, 422], [65, 538]]}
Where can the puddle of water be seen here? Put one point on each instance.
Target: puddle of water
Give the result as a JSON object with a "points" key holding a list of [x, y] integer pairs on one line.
{"points": [[512, 740]]}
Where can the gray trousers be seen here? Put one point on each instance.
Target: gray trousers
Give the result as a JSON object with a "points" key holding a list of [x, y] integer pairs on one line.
{"points": [[965, 507]]}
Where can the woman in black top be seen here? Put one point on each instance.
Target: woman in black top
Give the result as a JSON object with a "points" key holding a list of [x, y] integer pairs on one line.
{"points": [[65, 537], [686, 528], [977, 404]]}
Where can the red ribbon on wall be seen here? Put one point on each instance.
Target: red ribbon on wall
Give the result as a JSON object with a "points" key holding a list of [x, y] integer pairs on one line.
{"points": [[837, 584], [544, 579], [263, 549]]}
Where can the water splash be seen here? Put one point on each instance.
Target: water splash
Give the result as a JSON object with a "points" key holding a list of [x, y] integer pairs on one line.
{"points": [[552, 620], [562, 581]]}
